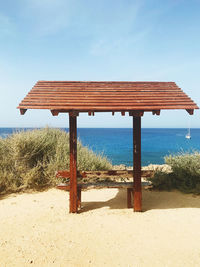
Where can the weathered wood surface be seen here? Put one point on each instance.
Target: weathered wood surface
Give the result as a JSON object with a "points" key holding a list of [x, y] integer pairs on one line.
{"points": [[65, 186], [73, 164], [111, 174], [89, 97], [129, 198], [137, 193]]}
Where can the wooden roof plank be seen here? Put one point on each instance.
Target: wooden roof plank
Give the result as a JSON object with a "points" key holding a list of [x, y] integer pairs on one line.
{"points": [[106, 96], [100, 101], [110, 107]]}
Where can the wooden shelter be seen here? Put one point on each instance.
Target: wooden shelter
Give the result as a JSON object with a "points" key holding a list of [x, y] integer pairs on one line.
{"points": [[135, 98]]}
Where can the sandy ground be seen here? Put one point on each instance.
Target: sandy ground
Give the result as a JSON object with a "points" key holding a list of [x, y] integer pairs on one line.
{"points": [[36, 229]]}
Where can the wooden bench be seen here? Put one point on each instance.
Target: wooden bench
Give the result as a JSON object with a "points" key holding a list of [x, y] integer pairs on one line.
{"points": [[103, 179]]}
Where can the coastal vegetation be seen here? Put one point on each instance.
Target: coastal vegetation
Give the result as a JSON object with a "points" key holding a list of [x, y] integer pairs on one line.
{"points": [[29, 159], [185, 174]]}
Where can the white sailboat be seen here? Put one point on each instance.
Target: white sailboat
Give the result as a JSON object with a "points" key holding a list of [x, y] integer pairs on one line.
{"points": [[188, 135]]}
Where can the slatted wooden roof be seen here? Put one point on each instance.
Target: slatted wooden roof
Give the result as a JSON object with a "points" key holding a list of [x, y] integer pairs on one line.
{"points": [[66, 96]]}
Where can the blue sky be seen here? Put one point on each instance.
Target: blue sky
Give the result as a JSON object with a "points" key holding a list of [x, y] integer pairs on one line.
{"points": [[97, 40]]}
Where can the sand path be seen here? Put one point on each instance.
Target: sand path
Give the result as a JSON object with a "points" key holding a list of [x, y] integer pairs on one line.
{"points": [[36, 229]]}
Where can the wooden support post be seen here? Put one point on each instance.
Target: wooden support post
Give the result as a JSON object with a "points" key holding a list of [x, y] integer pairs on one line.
{"points": [[129, 198], [79, 197], [73, 198], [137, 196]]}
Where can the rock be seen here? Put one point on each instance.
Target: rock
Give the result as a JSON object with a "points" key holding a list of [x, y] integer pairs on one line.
{"points": [[119, 167], [157, 167], [152, 167]]}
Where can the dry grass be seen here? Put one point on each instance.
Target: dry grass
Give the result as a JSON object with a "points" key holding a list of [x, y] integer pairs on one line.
{"points": [[29, 159], [185, 175]]}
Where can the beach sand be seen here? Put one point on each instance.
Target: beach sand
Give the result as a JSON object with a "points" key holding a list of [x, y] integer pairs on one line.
{"points": [[37, 230]]}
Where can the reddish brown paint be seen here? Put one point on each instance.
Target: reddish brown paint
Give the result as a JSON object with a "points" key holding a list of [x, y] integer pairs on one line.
{"points": [[65, 96], [54, 112], [133, 97], [66, 174], [190, 111], [22, 111], [111, 174], [137, 163], [73, 205]]}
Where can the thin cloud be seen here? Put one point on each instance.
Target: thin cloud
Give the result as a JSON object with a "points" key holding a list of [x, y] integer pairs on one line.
{"points": [[107, 46], [127, 33], [122, 33]]}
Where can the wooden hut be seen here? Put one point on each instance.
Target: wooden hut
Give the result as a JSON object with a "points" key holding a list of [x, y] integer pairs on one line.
{"points": [[74, 97]]}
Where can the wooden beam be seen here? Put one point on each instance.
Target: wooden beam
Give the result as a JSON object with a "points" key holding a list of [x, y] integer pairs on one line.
{"points": [[136, 113], [137, 195], [190, 111], [105, 175], [123, 113], [73, 113], [125, 185], [22, 111], [156, 112], [73, 200], [79, 197], [54, 112], [129, 197]]}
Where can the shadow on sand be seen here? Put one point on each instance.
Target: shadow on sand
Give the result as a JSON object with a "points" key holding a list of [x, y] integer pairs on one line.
{"points": [[151, 200]]}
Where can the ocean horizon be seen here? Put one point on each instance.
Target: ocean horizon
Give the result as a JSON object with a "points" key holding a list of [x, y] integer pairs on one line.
{"points": [[117, 143]]}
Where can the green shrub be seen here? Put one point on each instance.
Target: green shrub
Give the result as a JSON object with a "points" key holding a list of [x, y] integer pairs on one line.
{"points": [[185, 175], [30, 159]]}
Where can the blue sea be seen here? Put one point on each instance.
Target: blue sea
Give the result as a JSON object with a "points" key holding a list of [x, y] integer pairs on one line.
{"points": [[116, 143]]}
